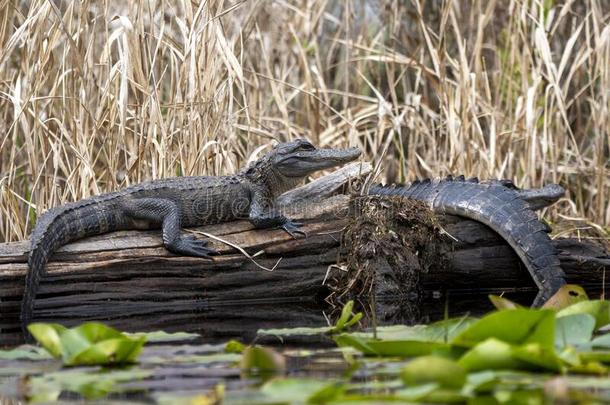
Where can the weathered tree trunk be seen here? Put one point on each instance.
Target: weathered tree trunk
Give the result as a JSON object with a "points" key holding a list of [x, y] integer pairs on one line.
{"points": [[130, 275]]}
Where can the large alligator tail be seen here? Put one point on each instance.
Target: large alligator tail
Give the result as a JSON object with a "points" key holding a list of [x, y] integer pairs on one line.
{"points": [[55, 228], [501, 208]]}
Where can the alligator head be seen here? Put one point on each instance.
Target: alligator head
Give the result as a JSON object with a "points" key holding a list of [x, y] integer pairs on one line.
{"points": [[287, 164]]}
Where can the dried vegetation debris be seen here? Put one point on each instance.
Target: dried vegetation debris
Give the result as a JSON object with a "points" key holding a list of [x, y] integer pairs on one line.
{"points": [[387, 244]]}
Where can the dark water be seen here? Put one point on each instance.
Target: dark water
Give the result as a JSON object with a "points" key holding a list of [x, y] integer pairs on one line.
{"points": [[221, 322], [183, 369]]}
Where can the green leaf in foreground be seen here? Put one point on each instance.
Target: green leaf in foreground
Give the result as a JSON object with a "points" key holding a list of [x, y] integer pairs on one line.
{"points": [[432, 369], [90, 384], [600, 310], [234, 346], [495, 354], [574, 330], [301, 390], [347, 319], [302, 331], [47, 334], [262, 361], [160, 336], [25, 353], [398, 348], [515, 326], [503, 303], [491, 354], [91, 343]]}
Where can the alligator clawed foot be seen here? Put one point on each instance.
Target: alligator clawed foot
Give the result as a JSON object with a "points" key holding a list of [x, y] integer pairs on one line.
{"points": [[293, 229], [191, 246]]}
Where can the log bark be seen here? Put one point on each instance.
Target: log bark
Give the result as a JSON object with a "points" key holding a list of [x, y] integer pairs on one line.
{"points": [[129, 275]]}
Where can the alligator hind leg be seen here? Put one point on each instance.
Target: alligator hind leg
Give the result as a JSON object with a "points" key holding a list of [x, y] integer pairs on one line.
{"points": [[167, 214]]}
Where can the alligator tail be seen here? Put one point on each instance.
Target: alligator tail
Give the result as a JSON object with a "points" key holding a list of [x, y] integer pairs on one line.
{"points": [[55, 228], [504, 211]]}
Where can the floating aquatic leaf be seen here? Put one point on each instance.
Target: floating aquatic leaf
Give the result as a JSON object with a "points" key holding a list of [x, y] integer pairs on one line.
{"points": [[490, 354], [602, 342], [195, 358], [598, 355], [399, 348], [538, 356], [600, 310], [47, 334], [489, 380], [234, 346], [160, 336], [418, 392], [25, 353], [503, 303], [262, 360], [91, 343], [88, 383], [515, 326], [495, 354], [301, 390], [303, 331], [432, 369], [573, 330]]}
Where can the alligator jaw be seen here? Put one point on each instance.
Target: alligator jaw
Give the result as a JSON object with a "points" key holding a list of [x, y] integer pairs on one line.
{"points": [[302, 163]]}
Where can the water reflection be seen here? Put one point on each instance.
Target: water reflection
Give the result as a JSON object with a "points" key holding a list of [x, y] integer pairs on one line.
{"points": [[220, 322]]}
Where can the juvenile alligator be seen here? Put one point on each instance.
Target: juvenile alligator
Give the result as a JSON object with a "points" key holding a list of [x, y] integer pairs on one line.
{"points": [[503, 207], [174, 203]]}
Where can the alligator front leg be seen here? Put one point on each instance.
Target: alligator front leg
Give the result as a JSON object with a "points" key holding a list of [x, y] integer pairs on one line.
{"points": [[167, 213], [262, 215]]}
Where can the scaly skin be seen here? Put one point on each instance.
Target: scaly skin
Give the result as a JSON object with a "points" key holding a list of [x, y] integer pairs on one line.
{"points": [[174, 203], [505, 209]]}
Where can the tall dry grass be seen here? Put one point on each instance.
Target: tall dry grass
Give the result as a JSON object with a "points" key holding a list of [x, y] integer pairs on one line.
{"points": [[96, 95]]}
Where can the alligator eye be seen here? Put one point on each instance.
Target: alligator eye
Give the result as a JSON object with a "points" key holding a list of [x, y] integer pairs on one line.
{"points": [[307, 146]]}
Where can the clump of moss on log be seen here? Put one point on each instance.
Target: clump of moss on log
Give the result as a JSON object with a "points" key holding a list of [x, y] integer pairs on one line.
{"points": [[388, 243]]}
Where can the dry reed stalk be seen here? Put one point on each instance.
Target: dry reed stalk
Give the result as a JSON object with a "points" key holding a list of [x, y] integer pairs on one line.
{"points": [[96, 95]]}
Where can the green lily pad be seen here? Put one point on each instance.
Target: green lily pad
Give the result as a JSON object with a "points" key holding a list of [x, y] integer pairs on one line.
{"points": [[514, 326], [90, 384], [262, 360], [398, 348], [160, 336], [574, 330], [432, 369], [91, 343], [234, 346], [303, 331], [301, 390], [503, 303], [490, 354], [538, 356], [600, 310], [47, 334], [25, 353], [602, 342]]}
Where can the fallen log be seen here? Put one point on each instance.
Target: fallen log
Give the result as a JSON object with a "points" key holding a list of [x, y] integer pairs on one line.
{"points": [[130, 275]]}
